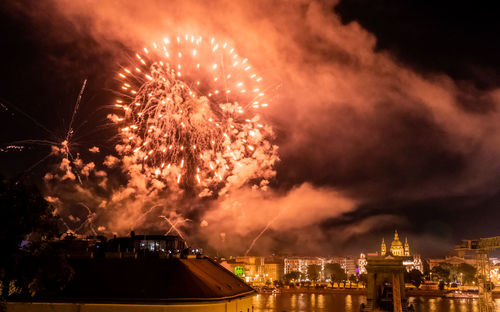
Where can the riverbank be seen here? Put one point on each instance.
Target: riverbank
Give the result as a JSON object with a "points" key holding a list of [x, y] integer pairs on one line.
{"points": [[323, 302], [347, 291], [361, 291], [425, 293]]}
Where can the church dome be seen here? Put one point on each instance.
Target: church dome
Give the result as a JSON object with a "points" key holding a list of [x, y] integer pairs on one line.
{"points": [[397, 246]]}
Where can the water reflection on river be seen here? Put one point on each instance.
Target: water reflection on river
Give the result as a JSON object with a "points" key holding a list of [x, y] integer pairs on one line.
{"points": [[350, 303]]}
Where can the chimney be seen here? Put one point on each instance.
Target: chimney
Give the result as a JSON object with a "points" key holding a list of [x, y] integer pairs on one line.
{"points": [[132, 234]]}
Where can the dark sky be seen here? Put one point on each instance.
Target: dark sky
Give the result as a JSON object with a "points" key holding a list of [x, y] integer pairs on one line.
{"points": [[445, 36], [390, 166], [455, 38]]}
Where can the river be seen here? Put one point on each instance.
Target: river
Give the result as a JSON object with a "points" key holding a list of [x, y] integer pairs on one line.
{"points": [[288, 302]]}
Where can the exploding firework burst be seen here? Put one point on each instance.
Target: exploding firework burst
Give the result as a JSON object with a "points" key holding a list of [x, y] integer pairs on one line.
{"points": [[188, 116]]}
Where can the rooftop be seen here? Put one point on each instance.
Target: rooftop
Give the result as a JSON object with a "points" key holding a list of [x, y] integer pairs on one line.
{"points": [[148, 280]]}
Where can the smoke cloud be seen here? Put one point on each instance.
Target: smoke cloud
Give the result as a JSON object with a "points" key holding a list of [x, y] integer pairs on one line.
{"points": [[353, 125]]}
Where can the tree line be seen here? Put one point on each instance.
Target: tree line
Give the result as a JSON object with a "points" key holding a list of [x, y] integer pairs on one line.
{"points": [[446, 273], [28, 223], [332, 272]]}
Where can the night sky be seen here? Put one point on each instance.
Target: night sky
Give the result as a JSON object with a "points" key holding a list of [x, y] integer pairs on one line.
{"points": [[365, 124]]}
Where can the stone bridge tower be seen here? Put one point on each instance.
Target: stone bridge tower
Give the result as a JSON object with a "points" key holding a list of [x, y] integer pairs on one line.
{"points": [[386, 286]]}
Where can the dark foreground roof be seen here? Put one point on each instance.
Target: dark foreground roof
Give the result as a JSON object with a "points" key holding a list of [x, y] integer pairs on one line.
{"points": [[149, 280]]}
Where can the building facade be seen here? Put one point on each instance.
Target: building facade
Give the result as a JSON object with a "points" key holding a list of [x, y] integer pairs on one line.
{"points": [[454, 260], [349, 264], [398, 249], [301, 264], [273, 272], [362, 264], [256, 270]]}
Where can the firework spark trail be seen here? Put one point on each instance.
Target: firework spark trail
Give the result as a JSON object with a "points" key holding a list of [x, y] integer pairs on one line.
{"points": [[263, 231], [33, 142], [175, 224], [172, 225], [70, 132], [143, 215], [38, 162], [68, 229], [37, 142], [58, 145], [29, 117], [183, 123], [171, 228], [88, 220]]}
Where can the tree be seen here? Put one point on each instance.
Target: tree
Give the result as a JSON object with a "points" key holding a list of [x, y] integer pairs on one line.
{"points": [[292, 276], [23, 212], [335, 272], [313, 272], [27, 224], [467, 273], [415, 277], [441, 285], [352, 279], [426, 268], [363, 278], [441, 272]]}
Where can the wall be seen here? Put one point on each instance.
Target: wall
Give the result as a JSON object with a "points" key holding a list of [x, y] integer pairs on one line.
{"points": [[237, 305]]}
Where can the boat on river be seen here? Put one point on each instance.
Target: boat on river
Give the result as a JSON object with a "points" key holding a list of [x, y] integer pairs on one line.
{"points": [[265, 290], [462, 295]]}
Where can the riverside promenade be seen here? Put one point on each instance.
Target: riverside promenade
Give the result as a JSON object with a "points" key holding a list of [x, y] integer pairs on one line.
{"points": [[410, 292]]}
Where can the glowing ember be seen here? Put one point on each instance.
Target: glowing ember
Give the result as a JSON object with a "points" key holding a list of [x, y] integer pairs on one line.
{"points": [[187, 115]]}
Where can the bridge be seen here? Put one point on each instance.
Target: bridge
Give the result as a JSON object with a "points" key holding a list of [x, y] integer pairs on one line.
{"points": [[482, 247]]}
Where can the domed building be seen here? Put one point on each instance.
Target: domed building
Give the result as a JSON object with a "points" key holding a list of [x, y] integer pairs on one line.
{"points": [[397, 246], [398, 249]]}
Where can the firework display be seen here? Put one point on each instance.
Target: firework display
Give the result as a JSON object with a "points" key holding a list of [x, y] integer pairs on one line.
{"points": [[188, 116]]}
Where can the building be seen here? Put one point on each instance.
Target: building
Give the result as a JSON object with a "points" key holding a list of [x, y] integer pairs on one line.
{"points": [[406, 248], [76, 246], [349, 264], [413, 263], [255, 270], [145, 284], [238, 268], [292, 264], [301, 264], [132, 246], [398, 249], [147, 243], [249, 268], [273, 272], [362, 264], [453, 260], [495, 274]]}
